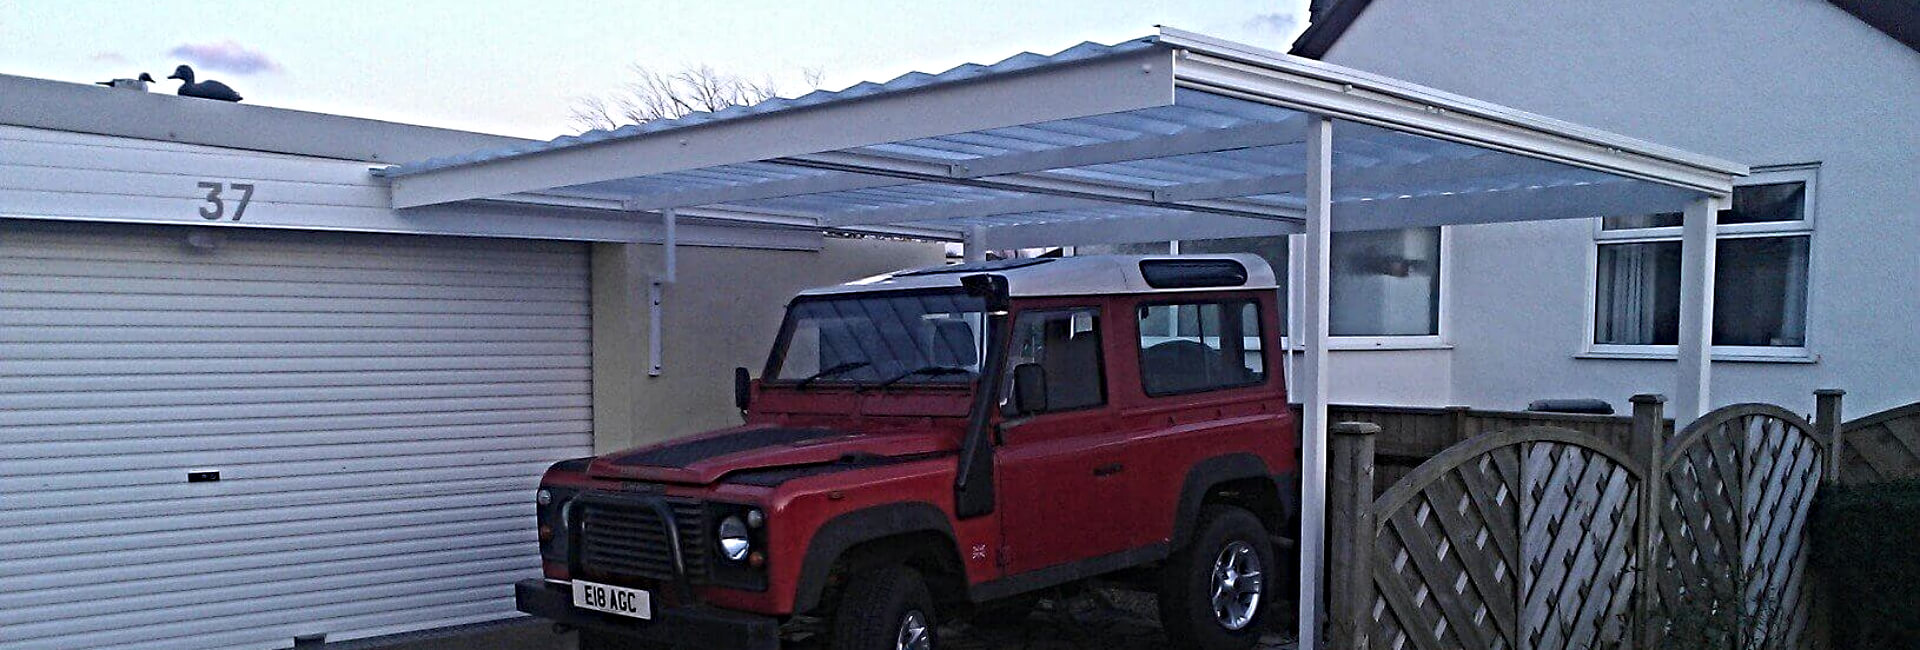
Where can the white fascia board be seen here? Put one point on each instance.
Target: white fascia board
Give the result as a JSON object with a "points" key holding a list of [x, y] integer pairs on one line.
{"points": [[1132, 230], [1119, 83], [470, 219], [1278, 79], [1526, 204]]}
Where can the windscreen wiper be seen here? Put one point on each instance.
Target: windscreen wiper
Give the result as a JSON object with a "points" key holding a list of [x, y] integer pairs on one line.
{"points": [[924, 370], [830, 371]]}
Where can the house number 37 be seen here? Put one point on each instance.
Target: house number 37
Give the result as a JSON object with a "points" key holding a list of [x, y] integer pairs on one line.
{"points": [[215, 208]]}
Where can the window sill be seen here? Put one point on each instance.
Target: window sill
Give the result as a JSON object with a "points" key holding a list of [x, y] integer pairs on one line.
{"points": [[1785, 356]]}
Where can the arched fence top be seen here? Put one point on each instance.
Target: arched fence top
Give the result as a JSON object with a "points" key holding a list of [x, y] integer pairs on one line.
{"points": [[1719, 417], [1473, 448]]}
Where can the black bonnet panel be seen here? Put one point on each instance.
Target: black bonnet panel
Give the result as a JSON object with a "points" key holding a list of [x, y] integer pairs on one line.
{"points": [[688, 453]]}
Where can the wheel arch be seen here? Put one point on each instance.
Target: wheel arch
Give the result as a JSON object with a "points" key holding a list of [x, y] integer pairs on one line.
{"points": [[1241, 479], [918, 524]]}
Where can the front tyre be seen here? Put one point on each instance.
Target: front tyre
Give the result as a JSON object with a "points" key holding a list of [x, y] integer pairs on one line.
{"points": [[886, 608], [1213, 592]]}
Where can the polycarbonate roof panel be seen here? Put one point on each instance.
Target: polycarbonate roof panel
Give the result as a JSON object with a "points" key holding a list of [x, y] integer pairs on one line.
{"points": [[1371, 164], [1205, 153], [1022, 62]]}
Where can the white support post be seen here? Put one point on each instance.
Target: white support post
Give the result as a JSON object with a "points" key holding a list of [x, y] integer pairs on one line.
{"points": [[1312, 389], [656, 292], [975, 245], [1693, 397]]}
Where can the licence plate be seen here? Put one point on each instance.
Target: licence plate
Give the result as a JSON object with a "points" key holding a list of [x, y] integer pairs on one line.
{"points": [[612, 600]]}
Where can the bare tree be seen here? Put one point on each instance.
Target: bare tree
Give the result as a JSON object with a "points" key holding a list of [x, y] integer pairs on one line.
{"points": [[654, 95]]}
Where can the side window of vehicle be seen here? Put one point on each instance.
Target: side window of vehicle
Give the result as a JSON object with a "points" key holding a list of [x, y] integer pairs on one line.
{"points": [[1200, 346], [1063, 348]]}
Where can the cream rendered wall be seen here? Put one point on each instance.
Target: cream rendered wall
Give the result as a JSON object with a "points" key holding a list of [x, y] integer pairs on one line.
{"points": [[723, 312], [1762, 82]]}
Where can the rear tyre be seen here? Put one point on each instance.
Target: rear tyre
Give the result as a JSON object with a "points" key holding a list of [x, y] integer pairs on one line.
{"points": [[1214, 592], [886, 608]]}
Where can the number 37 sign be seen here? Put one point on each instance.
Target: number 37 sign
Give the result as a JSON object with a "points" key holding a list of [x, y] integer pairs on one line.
{"points": [[214, 207]]}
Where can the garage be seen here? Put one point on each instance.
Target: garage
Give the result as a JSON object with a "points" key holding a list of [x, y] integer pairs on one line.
{"points": [[236, 437], [245, 402]]}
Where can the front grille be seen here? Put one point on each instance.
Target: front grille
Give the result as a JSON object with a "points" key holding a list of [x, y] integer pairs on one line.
{"points": [[626, 537]]}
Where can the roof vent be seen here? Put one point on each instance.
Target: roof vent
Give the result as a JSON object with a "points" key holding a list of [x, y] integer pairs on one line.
{"points": [[1190, 274]]}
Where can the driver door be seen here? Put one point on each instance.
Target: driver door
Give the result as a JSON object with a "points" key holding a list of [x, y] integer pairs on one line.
{"points": [[1063, 485]]}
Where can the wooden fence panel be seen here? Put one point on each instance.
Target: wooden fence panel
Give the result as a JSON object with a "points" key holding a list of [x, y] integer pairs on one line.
{"points": [[1515, 539], [1731, 546], [1882, 447], [1548, 538]]}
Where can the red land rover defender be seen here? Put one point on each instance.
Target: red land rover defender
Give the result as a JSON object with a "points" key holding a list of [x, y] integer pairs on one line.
{"points": [[928, 443]]}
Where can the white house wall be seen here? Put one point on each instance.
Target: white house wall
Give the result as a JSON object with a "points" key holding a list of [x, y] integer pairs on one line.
{"points": [[1766, 82]]}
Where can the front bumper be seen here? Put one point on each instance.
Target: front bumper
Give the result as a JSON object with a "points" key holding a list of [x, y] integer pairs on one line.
{"points": [[680, 627]]}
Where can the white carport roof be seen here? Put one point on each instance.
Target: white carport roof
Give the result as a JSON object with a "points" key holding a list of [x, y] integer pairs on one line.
{"points": [[1175, 136], [1077, 147]]}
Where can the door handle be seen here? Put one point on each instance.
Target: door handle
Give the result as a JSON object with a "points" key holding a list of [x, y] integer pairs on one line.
{"points": [[1108, 469]]}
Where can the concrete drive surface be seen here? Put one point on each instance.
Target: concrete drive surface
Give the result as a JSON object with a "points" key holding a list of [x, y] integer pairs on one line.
{"points": [[1101, 620]]}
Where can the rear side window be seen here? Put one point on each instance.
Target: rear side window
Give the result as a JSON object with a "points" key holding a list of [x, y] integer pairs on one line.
{"points": [[1200, 346]]}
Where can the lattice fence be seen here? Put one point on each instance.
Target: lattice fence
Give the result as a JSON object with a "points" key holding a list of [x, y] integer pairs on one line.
{"points": [[1731, 570], [1533, 538], [1518, 539]]}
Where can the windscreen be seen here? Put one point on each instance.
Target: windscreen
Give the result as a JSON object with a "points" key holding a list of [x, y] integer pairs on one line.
{"points": [[921, 338]]}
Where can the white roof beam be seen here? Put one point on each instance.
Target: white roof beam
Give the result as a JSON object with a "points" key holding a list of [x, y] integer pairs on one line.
{"points": [[1131, 230], [1487, 165], [1121, 83], [1261, 75], [1527, 204], [1193, 142], [925, 172]]}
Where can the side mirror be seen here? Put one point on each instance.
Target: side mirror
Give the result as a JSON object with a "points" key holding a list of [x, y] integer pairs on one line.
{"points": [[1029, 388], [742, 388]]}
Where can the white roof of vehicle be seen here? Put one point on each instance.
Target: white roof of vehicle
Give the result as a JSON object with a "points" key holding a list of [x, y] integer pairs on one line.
{"points": [[1064, 276]]}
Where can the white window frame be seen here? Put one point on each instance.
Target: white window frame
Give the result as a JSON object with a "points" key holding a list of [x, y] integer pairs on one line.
{"points": [[1442, 326], [1806, 227]]}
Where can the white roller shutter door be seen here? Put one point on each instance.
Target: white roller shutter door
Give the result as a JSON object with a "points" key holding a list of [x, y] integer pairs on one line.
{"points": [[378, 408]]}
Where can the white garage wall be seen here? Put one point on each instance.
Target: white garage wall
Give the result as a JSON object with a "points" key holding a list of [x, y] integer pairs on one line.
{"points": [[379, 408]]}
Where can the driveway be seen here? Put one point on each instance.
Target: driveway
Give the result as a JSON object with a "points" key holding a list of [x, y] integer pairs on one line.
{"points": [[1102, 619]]}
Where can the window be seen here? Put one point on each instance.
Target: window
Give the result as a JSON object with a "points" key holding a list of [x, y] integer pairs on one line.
{"points": [[1762, 247], [912, 338], [1065, 345], [1384, 283], [1192, 347]]}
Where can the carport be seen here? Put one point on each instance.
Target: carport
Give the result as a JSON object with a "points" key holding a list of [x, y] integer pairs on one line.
{"points": [[1170, 137]]}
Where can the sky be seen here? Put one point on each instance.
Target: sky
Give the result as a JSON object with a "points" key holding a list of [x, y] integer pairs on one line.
{"points": [[515, 68]]}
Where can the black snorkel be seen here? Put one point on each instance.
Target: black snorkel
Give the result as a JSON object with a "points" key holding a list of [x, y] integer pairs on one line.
{"points": [[973, 483]]}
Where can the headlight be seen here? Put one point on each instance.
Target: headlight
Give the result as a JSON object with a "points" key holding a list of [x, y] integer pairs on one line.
{"points": [[734, 543], [552, 519]]}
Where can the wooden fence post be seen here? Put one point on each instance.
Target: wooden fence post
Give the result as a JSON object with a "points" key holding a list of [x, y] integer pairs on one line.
{"points": [[1648, 447], [1458, 419], [1826, 425], [1350, 529]]}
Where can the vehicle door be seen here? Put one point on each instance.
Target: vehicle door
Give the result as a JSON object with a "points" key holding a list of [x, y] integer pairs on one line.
{"points": [[1062, 485]]}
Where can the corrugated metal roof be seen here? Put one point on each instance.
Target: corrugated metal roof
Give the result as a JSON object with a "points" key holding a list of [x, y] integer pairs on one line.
{"points": [[912, 80]]}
